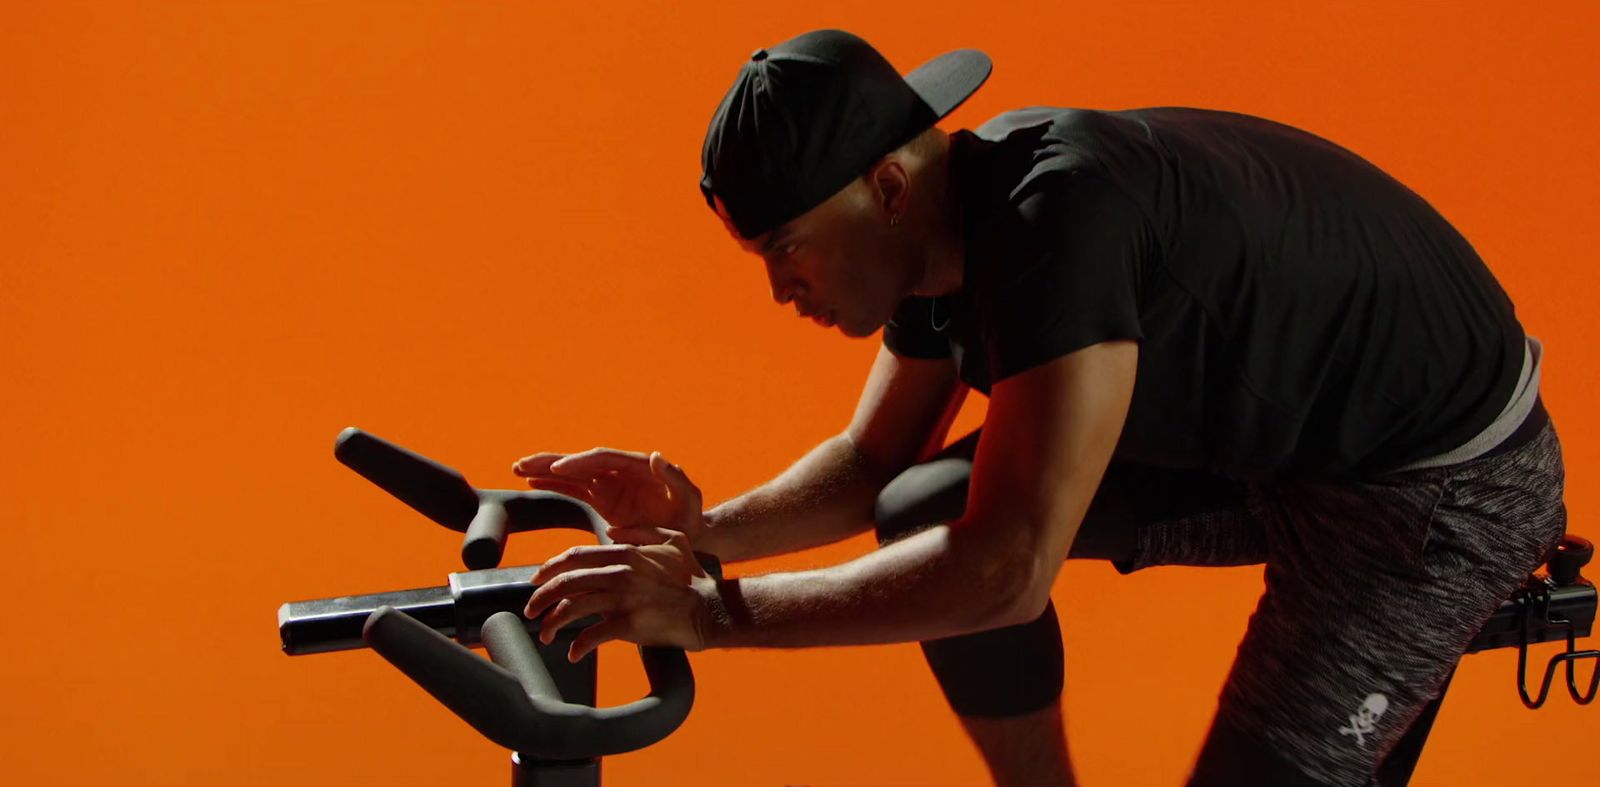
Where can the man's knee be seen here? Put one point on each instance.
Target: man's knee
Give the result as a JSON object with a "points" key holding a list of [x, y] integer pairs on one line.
{"points": [[927, 493], [1003, 672], [924, 495]]}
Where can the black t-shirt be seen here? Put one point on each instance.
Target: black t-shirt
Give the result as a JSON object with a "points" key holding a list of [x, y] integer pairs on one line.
{"points": [[1299, 312]]}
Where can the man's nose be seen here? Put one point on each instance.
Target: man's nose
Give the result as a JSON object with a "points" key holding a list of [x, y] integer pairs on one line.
{"points": [[783, 290]]}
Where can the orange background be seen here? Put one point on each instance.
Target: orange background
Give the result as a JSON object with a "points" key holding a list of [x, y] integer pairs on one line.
{"points": [[232, 229]]}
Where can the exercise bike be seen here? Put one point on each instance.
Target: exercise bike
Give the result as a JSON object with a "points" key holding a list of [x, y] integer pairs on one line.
{"points": [[526, 697], [530, 699]]}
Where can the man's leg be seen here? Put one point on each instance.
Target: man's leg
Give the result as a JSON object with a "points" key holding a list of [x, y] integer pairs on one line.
{"points": [[1374, 590], [1005, 684], [1030, 749]]}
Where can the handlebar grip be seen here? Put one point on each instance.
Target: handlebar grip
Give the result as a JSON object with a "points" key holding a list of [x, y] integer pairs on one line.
{"points": [[485, 541], [517, 705], [486, 516], [434, 490], [1568, 558]]}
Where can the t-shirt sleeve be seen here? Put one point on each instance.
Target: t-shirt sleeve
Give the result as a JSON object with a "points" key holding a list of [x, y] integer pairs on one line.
{"points": [[1076, 282], [909, 333]]}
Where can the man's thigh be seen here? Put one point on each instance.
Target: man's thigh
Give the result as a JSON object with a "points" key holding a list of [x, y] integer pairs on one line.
{"points": [[1013, 671], [1140, 516], [1374, 591]]}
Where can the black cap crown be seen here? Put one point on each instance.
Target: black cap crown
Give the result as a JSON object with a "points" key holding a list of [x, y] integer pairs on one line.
{"points": [[807, 116]]}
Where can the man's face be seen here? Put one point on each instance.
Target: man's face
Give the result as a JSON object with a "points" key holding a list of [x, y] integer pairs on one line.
{"points": [[836, 262]]}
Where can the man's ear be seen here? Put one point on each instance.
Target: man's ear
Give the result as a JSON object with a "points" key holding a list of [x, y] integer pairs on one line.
{"points": [[891, 186]]}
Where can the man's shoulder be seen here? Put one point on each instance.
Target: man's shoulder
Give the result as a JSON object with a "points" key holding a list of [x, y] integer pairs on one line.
{"points": [[1032, 169], [1093, 129], [1008, 124], [1038, 149], [1021, 141], [1046, 125]]}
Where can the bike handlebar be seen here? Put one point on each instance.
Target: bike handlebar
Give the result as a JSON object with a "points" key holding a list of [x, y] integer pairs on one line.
{"points": [[510, 698], [514, 702], [486, 516]]}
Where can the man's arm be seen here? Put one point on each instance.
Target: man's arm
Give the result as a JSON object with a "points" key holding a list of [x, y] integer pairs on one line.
{"points": [[904, 413], [1046, 442], [825, 497]]}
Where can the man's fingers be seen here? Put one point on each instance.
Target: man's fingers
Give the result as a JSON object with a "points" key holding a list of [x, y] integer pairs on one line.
{"points": [[595, 461], [575, 487], [566, 486], [675, 479], [569, 584], [534, 464], [642, 535], [583, 557], [615, 626], [601, 460], [571, 609]]}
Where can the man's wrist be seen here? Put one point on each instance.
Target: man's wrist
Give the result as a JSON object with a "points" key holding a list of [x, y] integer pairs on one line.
{"points": [[723, 613], [709, 538]]}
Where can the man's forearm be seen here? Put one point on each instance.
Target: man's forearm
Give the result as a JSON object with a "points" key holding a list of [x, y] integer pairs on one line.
{"points": [[940, 582], [825, 497]]}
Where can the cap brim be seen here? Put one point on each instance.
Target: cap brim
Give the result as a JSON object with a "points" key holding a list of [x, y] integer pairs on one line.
{"points": [[947, 80]]}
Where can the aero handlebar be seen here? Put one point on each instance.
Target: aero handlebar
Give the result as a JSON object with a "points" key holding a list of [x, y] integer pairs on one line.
{"points": [[513, 701]]}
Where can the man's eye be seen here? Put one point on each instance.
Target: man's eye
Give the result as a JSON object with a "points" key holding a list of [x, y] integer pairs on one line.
{"points": [[788, 250]]}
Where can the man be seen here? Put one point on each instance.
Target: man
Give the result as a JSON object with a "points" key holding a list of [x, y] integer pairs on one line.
{"points": [[1207, 339]]}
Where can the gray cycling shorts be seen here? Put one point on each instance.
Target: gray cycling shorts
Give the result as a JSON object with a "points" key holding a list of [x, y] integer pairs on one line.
{"points": [[1374, 588]]}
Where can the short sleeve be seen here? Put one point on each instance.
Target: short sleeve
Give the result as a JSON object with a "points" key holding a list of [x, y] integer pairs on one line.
{"points": [[1083, 248], [909, 333]]}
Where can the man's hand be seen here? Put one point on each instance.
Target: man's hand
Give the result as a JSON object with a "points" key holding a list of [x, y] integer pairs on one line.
{"points": [[637, 494], [655, 594]]}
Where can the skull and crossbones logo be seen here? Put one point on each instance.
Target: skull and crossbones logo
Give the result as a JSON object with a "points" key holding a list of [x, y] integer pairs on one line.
{"points": [[1365, 720]]}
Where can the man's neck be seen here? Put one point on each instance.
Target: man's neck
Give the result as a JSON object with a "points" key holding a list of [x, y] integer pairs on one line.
{"points": [[944, 253]]}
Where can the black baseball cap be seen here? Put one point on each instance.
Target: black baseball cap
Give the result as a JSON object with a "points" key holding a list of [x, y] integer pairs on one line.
{"points": [[809, 115]]}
